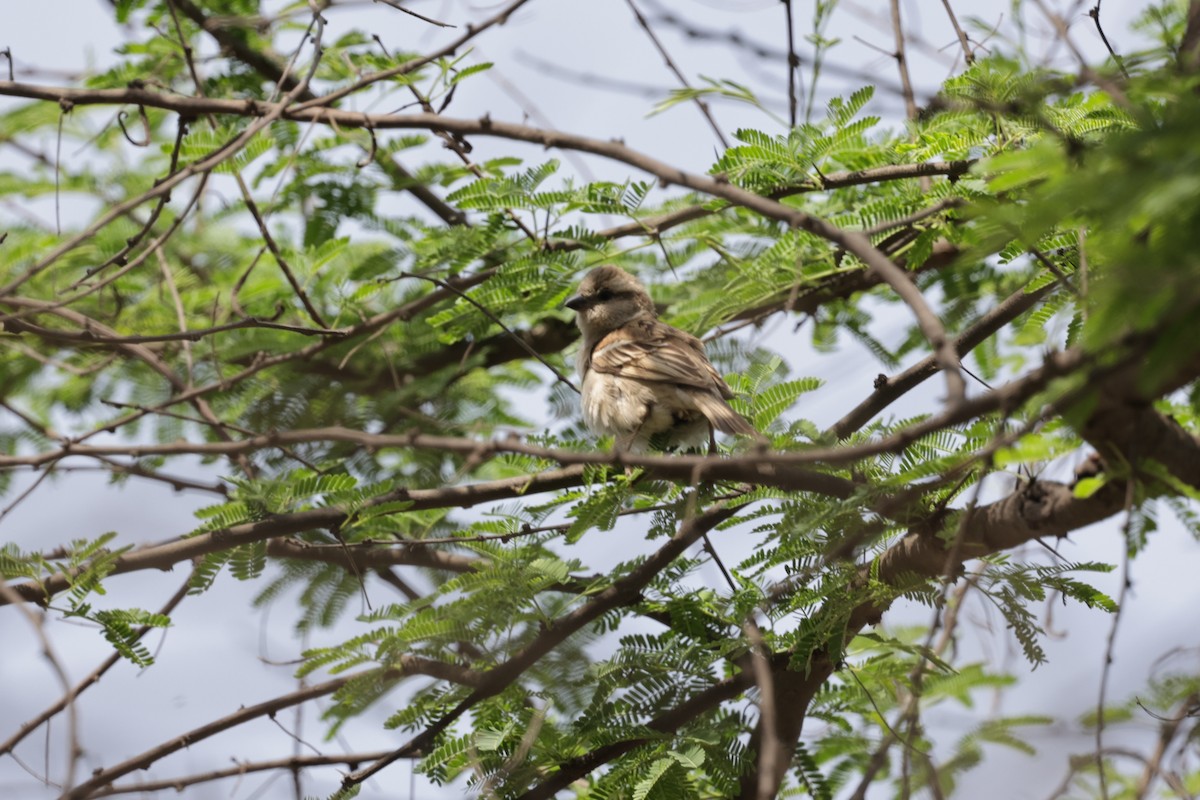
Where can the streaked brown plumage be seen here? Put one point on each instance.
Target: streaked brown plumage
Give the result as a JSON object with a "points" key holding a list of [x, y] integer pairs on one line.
{"points": [[642, 377]]}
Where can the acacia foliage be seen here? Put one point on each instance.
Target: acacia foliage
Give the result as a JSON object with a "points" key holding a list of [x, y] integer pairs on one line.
{"points": [[356, 367]]}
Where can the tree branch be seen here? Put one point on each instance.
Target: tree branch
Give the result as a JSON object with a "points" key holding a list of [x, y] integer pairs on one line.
{"points": [[623, 591], [888, 390], [408, 665], [852, 241], [242, 768]]}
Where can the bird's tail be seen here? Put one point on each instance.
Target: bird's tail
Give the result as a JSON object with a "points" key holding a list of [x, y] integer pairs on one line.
{"points": [[722, 417]]}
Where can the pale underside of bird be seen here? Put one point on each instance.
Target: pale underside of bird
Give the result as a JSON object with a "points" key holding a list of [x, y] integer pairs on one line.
{"points": [[644, 381]]}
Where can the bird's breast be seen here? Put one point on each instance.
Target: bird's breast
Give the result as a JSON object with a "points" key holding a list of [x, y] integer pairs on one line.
{"points": [[621, 407], [614, 405]]}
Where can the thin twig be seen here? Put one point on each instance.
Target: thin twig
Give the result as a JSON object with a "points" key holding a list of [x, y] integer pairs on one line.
{"points": [[195, 335], [327, 101], [906, 88], [1045, 261], [396, 5], [770, 748], [487, 313], [1094, 13], [407, 665], [460, 147], [945, 204], [1168, 728], [284, 267], [1110, 645], [1081, 245], [793, 64], [92, 679], [958, 31], [121, 256], [662, 51], [13, 598], [763, 52], [239, 769], [28, 492], [888, 390], [625, 590], [1085, 70], [57, 173]]}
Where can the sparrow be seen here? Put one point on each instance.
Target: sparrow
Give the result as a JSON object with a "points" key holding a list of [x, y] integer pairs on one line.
{"points": [[642, 377]]}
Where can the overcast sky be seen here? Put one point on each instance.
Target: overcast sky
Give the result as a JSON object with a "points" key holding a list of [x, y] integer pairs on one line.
{"points": [[557, 63]]}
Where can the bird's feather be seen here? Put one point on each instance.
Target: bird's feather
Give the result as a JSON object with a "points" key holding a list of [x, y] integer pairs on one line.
{"points": [[722, 417], [649, 350]]}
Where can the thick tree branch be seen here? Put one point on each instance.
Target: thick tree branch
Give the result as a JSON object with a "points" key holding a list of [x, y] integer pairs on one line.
{"points": [[1120, 424], [1045, 509], [1179, 451], [1189, 46], [1124, 427]]}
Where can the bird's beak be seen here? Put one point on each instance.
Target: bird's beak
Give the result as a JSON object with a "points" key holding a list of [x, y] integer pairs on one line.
{"points": [[575, 303]]}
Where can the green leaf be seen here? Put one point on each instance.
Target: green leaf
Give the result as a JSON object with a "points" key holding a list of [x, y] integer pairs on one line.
{"points": [[1086, 487], [467, 72]]}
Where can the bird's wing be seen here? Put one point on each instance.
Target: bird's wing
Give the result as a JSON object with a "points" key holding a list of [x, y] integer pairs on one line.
{"points": [[650, 350]]}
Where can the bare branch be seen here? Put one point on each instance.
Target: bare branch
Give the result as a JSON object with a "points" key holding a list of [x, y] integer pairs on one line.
{"points": [[93, 678], [396, 5], [406, 665], [11, 596], [793, 63], [968, 54], [662, 51], [906, 89], [291, 763], [1094, 13]]}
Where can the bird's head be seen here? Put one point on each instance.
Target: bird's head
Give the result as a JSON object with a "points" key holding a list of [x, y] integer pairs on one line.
{"points": [[608, 298]]}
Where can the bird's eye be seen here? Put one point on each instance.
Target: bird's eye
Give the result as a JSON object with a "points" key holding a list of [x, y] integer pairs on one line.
{"points": [[604, 295]]}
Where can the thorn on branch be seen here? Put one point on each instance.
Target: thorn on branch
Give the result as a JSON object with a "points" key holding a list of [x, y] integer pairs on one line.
{"points": [[145, 120], [366, 160]]}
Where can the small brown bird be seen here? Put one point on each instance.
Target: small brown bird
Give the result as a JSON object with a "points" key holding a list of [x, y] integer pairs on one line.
{"points": [[641, 377]]}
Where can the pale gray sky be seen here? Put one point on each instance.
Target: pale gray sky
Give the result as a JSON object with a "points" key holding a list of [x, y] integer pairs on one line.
{"points": [[212, 664]]}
